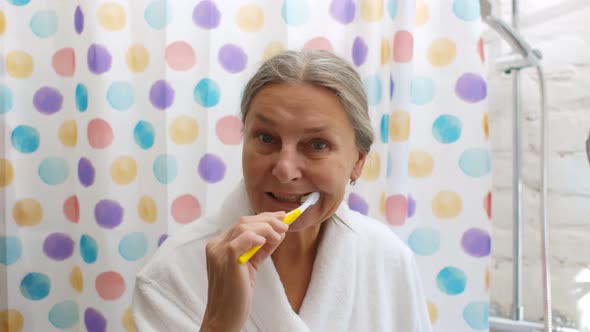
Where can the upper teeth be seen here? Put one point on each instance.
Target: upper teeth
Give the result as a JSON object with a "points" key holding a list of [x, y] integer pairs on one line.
{"points": [[291, 198]]}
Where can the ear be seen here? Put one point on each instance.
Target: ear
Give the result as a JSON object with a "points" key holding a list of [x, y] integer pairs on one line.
{"points": [[357, 168]]}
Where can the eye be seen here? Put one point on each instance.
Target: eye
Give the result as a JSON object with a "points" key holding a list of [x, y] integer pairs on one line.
{"points": [[265, 138], [319, 145]]}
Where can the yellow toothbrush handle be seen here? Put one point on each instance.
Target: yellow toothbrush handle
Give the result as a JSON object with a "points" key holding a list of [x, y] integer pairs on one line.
{"points": [[289, 218]]}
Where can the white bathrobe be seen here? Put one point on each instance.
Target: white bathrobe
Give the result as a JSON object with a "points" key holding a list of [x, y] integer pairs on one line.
{"points": [[364, 279]]}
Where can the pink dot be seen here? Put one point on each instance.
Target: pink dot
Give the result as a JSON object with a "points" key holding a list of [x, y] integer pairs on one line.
{"points": [[71, 209], [229, 130], [110, 285], [487, 204], [100, 133], [403, 46], [180, 56], [480, 50], [186, 209], [319, 43], [64, 62], [396, 207]]}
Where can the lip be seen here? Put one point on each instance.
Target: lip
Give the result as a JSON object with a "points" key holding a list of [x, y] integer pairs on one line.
{"points": [[279, 204]]}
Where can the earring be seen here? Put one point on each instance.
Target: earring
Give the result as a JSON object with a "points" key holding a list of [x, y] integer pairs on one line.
{"points": [[352, 182]]}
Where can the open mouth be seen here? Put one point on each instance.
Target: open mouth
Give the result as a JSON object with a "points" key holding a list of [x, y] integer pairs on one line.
{"points": [[289, 198]]}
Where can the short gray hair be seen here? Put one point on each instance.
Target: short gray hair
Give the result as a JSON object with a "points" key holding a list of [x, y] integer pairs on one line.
{"points": [[319, 68]]}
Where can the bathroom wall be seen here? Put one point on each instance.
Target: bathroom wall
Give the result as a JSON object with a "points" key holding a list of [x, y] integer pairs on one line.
{"points": [[561, 30]]}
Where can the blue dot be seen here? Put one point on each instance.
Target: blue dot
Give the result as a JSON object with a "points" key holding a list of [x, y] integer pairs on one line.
{"points": [[389, 164], [35, 286], [158, 14], [25, 139], [120, 95], [295, 12], [476, 315], [466, 10], [18, 2], [133, 246], [206, 93], [53, 170], [144, 135], [64, 315], [5, 99], [447, 129], [10, 249], [384, 128], [391, 87], [88, 249], [372, 86], [392, 8], [451, 280], [44, 23], [81, 97], [424, 241], [421, 90], [475, 162], [165, 168]]}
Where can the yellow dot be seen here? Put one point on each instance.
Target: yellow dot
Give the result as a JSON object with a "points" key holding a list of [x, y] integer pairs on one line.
{"points": [[250, 18], [399, 126], [2, 23], [27, 212], [112, 16], [382, 203], [422, 13], [488, 278], [124, 170], [486, 126], [147, 209], [76, 279], [271, 49], [372, 167], [447, 204], [372, 10], [183, 130], [6, 172], [68, 133], [420, 164], [385, 51], [128, 322], [137, 58], [432, 312], [11, 320], [19, 64], [441, 52]]}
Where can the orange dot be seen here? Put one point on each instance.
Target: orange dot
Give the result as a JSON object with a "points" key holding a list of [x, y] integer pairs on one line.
{"points": [[127, 321], [318, 43], [399, 126], [64, 62], [432, 312], [11, 320], [486, 128], [186, 209], [6, 173], [180, 56], [100, 133], [396, 209], [71, 209], [110, 285], [76, 279], [27, 212], [403, 46], [385, 51]]}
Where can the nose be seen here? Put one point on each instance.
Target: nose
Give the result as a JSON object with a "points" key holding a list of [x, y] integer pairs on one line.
{"points": [[287, 167]]}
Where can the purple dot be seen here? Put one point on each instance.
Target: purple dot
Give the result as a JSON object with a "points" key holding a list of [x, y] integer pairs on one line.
{"points": [[108, 213], [232, 58], [48, 100], [206, 15], [58, 246], [342, 11], [162, 239], [99, 59], [211, 168], [94, 321], [359, 51], [411, 206], [476, 242], [78, 20], [471, 88], [391, 87], [358, 204], [161, 95], [85, 172]]}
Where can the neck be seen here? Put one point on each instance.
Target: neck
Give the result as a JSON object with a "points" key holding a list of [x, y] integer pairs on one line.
{"points": [[298, 245]]}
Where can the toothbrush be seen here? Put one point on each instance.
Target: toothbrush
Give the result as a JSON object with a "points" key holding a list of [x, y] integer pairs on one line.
{"points": [[289, 218]]}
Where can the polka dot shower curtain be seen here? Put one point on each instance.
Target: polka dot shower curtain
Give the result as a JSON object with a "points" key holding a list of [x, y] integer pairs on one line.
{"points": [[119, 124]]}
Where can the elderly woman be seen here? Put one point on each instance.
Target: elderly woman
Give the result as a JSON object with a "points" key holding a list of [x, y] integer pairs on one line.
{"points": [[306, 129]]}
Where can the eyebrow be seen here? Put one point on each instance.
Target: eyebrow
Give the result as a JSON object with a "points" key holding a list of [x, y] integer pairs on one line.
{"points": [[313, 130]]}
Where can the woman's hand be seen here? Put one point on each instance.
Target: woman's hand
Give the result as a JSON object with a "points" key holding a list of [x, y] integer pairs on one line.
{"points": [[231, 285]]}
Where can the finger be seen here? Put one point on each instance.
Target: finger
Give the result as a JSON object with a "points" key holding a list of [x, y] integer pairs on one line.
{"points": [[265, 252], [244, 242]]}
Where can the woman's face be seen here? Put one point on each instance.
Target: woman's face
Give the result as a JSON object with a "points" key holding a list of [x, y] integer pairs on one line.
{"points": [[297, 140]]}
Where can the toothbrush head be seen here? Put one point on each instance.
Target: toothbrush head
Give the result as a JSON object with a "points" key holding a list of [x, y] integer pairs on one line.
{"points": [[310, 199]]}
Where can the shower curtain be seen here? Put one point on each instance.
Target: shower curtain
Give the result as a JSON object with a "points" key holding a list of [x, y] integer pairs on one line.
{"points": [[119, 124]]}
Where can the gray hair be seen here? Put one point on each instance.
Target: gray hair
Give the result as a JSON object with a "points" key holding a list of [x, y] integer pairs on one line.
{"points": [[319, 68]]}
